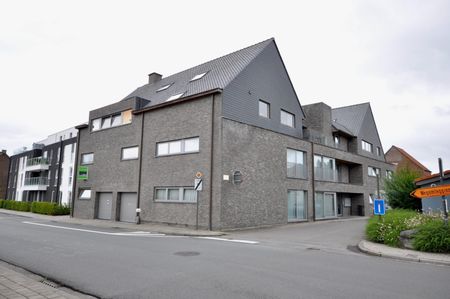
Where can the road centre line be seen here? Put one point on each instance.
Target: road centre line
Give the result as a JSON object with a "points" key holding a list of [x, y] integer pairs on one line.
{"points": [[137, 234], [229, 240]]}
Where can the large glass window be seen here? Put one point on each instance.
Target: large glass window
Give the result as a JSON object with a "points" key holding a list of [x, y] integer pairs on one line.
{"points": [[87, 158], [325, 205], [109, 121], [183, 146], [130, 153], [297, 207], [373, 171], [296, 164], [264, 109], [176, 194], [287, 118], [325, 169], [366, 146]]}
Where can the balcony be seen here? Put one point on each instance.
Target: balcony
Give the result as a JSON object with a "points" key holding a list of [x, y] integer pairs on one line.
{"points": [[37, 164], [35, 184]]}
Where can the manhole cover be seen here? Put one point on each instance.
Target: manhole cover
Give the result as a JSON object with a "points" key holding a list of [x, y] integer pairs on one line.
{"points": [[187, 253], [312, 248]]}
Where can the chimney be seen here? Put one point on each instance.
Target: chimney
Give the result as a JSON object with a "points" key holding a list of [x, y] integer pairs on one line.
{"points": [[3, 151], [154, 77]]}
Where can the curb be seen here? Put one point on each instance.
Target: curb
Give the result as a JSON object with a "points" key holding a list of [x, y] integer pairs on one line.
{"points": [[400, 256], [105, 224]]}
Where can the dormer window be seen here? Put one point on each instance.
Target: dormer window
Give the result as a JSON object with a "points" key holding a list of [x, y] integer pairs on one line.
{"points": [[174, 97], [110, 121], [163, 87], [197, 77]]}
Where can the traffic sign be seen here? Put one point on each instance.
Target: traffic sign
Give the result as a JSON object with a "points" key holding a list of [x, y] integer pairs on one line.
{"points": [[198, 175], [431, 191], [379, 207], [198, 184]]}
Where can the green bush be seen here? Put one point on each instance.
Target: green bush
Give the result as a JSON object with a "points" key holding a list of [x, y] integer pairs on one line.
{"points": [[46, 208], [433, 236], [399, 187], [387, 230], [49, 208], [22, 206]]}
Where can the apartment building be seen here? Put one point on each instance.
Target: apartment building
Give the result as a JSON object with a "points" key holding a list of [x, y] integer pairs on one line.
{"points": [[235, 122], [44, 172], [4, 167]]}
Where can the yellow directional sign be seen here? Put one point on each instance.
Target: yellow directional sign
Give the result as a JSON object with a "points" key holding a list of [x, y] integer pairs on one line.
{"points": [[431, 191]]}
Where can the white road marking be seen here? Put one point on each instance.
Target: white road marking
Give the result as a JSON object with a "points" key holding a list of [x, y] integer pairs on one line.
{"points": [[135, 234], [229, 240]]}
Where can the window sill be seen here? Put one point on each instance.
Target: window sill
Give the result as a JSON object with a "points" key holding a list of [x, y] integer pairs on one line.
{"points": [[100, 130], [295, 178], [174, 201], [179, 154]]}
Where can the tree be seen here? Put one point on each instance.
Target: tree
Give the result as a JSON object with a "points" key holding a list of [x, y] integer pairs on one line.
{"points": [[398, 188]]}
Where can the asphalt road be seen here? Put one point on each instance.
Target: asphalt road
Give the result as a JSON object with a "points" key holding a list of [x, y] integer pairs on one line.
{"points": [[298, 261]]}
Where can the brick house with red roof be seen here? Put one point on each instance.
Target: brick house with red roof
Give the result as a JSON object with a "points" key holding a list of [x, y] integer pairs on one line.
{"points": [[401, 159]]}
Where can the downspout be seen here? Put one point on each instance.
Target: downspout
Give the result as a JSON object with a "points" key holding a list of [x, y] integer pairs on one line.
{"points": [[211, 164], [138, 214], [75, 175], [313, 182]]}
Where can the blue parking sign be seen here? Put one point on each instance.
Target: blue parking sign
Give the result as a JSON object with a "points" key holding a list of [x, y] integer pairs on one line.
{"points": [[379, 207]]}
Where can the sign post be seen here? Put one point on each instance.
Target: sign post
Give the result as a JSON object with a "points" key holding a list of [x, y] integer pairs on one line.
{"points": [[198, 186], [379, 207], [444, 200]]}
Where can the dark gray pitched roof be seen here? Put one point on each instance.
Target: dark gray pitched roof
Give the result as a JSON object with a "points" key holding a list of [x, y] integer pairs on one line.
{"points": [[220, 72], [350, 117], [342, 128]]}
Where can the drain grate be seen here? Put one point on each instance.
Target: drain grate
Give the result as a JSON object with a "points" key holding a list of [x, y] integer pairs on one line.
{"points": [[50, 283], [187, 253]]}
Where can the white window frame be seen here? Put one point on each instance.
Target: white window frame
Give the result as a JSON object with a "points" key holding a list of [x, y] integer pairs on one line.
{"points": [[284, 118], [303, 175], [164, 87], [106, 122], [166, 144], [373, 171], [84, 155], [129, 148], [198, 77], [263, 109], [175, 96], [367, 146], [180, 194], [85, 194]]}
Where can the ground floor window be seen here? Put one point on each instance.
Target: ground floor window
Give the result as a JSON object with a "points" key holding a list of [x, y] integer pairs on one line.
{"points": [[175, 194], [297, 207], [325, 205]]}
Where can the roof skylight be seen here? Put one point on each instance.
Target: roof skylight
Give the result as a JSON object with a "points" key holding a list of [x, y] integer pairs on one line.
{"points": [[199, 76], [163, 87], [174, 97]]}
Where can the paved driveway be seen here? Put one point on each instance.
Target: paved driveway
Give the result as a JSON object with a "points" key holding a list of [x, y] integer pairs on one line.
{"points": [[333, 235]]}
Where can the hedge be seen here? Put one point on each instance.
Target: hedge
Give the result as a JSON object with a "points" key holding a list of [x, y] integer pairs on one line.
{"points": [[46, 208], [433, 236]]}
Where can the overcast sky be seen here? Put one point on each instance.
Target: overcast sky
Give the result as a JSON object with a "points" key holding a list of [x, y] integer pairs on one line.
{"points": [[61, 59]]}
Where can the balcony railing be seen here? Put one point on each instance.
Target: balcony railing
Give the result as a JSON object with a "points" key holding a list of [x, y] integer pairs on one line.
{"points": [[37, 161], [36, 181]]}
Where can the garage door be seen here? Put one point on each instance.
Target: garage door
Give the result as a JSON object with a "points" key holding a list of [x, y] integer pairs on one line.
{"points": [[104, 206], [128, 205]]}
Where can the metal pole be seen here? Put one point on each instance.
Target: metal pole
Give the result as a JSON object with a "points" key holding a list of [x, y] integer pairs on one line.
{"points": [[378, 193], [196, 217], [444, 199]]}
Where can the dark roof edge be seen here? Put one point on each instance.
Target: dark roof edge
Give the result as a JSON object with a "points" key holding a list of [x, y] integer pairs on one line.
{"points": [[183, 99], [433, 177], [289, 78], [82, 126]]}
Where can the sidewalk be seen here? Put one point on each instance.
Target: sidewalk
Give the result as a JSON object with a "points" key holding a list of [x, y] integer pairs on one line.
{"points": [[17, 283], [147, 227], [403, 254]]}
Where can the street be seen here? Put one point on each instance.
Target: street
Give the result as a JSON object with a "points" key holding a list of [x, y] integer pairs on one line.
{"points": [[310, 260]]}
